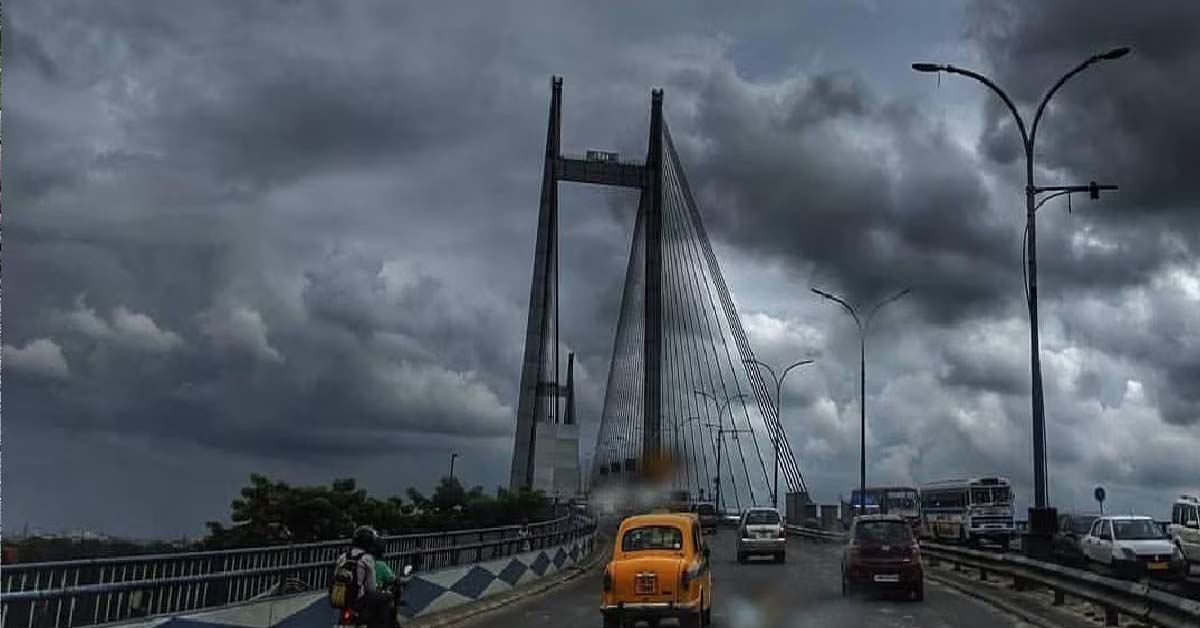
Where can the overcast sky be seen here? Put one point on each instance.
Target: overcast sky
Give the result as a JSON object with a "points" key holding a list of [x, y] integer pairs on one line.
{"points": [[296, 237]]}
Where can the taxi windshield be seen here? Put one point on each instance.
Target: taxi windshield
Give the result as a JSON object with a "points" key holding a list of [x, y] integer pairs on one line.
{"points": [[652, 538]]}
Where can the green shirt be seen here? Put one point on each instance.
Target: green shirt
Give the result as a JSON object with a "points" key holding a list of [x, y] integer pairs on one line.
{"points": [[384, 576]]}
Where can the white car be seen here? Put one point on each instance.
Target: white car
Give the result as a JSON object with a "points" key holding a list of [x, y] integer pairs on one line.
{"points": [[1133, 546], [1185, 528], [761, 531]]}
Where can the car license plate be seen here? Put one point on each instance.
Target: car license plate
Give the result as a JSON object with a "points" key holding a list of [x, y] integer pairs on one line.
{"points": [[887, 577], [1157, 566], [646, 584]]}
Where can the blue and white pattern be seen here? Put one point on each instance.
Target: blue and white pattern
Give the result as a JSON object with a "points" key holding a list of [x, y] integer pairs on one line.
{"points": [[427, 593], [433, 592]]}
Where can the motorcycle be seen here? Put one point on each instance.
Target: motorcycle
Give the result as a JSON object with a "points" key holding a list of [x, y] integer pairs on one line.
{"points": [[350, 618]]}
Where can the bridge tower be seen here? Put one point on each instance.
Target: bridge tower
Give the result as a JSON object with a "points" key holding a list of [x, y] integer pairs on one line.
{"points": [[537, 407]]}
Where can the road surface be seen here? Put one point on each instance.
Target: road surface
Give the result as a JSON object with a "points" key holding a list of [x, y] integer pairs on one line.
{"points": [[805, 591]]}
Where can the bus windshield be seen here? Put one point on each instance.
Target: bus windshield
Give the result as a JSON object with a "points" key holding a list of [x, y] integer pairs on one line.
{"points": [[991, 495], [902, 500]]}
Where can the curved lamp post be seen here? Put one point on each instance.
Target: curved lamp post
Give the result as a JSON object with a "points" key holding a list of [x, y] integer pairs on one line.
{"points": [[778, 415], [1031, 206], [863, 326]]}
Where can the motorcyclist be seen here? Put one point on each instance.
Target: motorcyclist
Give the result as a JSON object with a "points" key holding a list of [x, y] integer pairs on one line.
{"points": [[374, 603]]}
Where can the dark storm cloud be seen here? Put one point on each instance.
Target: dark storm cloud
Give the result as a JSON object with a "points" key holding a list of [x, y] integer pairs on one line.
{"points": [[1130, 121], [836, 179], [194, 166]]}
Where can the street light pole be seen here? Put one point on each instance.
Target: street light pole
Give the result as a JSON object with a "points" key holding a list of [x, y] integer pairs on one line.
{"points": [[1031, 207], [778, 416], [678, 426], [863, 326], [720, 431]]}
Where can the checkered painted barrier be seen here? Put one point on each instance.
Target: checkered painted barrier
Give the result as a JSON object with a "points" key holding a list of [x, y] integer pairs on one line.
{"points": [[427, 592], [441, 590]]}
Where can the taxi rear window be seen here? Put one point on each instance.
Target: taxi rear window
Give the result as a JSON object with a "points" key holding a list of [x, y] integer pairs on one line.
{"points": [[652, 538]]}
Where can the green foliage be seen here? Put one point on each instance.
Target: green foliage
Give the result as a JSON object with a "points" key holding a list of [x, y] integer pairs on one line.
{"points": [[269, 512], [42, 549]]}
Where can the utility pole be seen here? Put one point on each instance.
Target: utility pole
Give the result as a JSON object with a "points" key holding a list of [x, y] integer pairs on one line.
{"points": [[720, 431]]}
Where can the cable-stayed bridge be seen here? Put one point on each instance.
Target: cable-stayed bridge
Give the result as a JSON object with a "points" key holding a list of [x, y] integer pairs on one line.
{"points": [[684, 406]]}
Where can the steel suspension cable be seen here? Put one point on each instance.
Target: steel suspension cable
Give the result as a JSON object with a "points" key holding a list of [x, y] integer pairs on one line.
{"points": [[686, 383], [724, 391], [670, 367], [791, 470], [675, 185], [691, 385]]}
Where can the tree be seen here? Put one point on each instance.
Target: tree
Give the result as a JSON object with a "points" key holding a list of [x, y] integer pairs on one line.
{"points": [[268, 512], [449, 495]]}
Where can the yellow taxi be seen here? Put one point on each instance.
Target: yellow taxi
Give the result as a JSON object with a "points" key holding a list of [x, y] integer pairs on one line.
{"points": [[659, 568]]}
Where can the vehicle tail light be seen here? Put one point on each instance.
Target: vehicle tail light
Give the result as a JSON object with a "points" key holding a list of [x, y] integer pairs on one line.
{"points": [[347, 617], [608, 580], [685, 580], [782, 533]]}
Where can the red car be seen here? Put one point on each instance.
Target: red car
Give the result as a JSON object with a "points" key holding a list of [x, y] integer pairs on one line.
{"points": [[882, 553]]}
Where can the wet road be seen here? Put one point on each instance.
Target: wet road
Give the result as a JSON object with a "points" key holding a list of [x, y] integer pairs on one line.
{"points": [[805, 591]]}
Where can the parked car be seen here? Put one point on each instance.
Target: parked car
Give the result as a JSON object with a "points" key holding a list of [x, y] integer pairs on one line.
{"points": [[1184, 529], [1133, 546], [1071, 530], [659, 569], [882, 553], [709, 517], [760, 531]]}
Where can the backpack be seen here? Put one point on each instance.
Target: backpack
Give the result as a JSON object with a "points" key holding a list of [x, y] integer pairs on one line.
{"points": [[345, 590]]}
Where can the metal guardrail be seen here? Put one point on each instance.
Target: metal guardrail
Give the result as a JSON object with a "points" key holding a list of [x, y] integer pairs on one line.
{"points": [[816, 534], [75, 593], [1116, 597]]}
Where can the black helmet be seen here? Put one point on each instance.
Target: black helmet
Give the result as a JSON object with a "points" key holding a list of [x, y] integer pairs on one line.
{"points": [[365, 538]]}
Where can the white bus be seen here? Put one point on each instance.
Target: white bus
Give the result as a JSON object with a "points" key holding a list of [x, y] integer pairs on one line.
{"points": [[968, 511]]}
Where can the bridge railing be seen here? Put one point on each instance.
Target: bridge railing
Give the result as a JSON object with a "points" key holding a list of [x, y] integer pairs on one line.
{"points": [[68, 594]]}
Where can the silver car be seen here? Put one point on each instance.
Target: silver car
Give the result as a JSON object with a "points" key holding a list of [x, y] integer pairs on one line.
{"points": [[761, 532]]}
